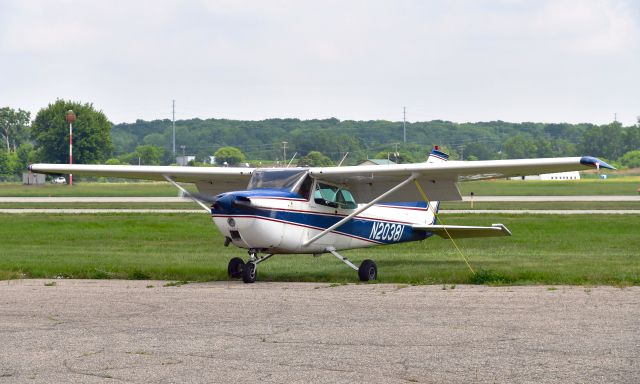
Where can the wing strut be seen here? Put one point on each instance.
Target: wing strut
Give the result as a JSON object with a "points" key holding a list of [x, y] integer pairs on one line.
{"points": [[187, 193], [360, 210]]}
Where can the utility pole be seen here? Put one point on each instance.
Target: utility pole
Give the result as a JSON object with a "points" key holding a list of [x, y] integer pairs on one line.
{"points": [[70, 117], [404, 123], [284, 152], [174, 128]]}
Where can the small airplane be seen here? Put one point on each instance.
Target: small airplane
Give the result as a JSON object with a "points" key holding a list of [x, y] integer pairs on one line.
{"points": [[330, 209]]}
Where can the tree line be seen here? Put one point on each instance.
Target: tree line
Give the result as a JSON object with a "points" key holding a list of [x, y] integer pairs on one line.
{"points": [[326, 141], [318, 142]]}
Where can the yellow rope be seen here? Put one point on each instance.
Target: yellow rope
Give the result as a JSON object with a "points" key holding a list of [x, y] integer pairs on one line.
{"points": [[435, 214]]}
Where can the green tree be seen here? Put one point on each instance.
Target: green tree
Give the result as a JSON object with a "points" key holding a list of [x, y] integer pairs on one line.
{"points": [[231, 155], [91, 133], [520, 147], [14, 127], [25, 155], [149, 154], [604, 141], [315, 159], [5, 166], [631, 159], [477, 151]]}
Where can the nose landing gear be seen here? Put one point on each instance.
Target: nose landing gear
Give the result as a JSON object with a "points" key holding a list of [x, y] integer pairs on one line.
{"points": [[247, 271]]}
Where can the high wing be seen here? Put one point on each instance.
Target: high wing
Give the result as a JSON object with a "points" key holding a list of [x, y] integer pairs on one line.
{"points": [[464, 231], [209, 180], [438, 180]]}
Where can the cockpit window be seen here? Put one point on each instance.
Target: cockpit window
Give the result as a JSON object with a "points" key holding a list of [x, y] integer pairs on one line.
{"points": [[333, 196], [276, 179]]}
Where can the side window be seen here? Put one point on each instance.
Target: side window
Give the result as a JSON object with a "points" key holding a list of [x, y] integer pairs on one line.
{"points": [[345, 199], [333, 196]]}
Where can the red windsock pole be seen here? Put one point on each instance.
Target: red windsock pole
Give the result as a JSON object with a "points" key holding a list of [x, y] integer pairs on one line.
{"points": [[71, 117]]}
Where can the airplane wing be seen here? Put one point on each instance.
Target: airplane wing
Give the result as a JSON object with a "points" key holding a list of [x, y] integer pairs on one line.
{"points": [[464, 231], [209, 180], [438, 180]]}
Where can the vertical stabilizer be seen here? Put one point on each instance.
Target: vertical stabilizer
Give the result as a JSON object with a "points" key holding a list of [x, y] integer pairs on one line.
{"points": [[437, 156]]}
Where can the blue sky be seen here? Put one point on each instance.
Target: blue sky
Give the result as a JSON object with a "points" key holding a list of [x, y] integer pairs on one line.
{"points": [[512, 60]]}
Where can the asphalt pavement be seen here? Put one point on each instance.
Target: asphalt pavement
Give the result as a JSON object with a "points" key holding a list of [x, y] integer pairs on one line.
{"points": [[97, 331]]}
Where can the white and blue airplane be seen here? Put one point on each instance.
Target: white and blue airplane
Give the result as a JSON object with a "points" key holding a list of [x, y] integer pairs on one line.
{"points": [[330, 209]]}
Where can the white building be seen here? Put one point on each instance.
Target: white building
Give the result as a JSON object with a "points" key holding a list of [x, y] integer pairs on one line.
{"points": [[184, 160], [573, 175]]}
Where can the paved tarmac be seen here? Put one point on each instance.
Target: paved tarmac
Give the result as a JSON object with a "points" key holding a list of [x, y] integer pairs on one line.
{"points": [[95, 331]]}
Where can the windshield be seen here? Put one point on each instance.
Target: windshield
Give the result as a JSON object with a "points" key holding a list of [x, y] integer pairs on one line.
{"points": [[276, 179]]}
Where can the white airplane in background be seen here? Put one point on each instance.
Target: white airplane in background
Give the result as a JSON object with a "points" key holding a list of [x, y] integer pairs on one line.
{"points": [[329, 209]]}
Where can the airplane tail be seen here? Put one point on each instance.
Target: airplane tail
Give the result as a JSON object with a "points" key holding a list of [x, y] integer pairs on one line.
{"points": [[436, 156]]}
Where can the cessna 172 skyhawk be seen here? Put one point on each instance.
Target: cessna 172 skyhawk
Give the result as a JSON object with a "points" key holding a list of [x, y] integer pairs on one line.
{"points": [[329, 209]]}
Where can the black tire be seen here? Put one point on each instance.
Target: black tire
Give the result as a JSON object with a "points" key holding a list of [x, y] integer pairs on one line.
{"points": [[368, 270], [236, 265], [249, 273]]}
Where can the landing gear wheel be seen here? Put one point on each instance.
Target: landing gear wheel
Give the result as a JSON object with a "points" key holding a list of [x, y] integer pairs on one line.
{"points": [[235, 267], [368, 270], [249, 272]]}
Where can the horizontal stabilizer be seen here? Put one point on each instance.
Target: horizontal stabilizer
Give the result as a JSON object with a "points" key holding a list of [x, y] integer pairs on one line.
{"points": [[464, 231]]}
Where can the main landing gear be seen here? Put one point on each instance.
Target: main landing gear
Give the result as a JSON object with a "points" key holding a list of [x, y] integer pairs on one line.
{"points": [[248, 271], [237, 268], [368, 269]]}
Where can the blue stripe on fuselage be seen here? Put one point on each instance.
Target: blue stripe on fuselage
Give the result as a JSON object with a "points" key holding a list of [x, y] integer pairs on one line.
{"points": [[379, 231]]}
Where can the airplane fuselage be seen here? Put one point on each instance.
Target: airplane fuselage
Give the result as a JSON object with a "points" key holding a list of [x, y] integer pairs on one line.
{"points": [[280, 221]]}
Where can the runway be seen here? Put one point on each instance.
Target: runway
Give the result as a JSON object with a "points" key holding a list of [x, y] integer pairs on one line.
{"points": [[142, 331]]}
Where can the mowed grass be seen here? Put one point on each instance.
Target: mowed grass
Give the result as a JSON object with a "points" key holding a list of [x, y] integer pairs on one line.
{"points": [[555, 249], [587, 187], [91, 189], [555, 205]]}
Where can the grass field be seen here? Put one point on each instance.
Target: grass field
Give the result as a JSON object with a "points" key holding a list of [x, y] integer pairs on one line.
{"points": [[587, 187], [540, 205], [617, 186], [544, 250], [161, 189]]}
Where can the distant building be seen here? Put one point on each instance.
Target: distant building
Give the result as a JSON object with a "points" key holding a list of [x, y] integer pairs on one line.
{"points": [[377, 162], [573, 175], [184, 160]]}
